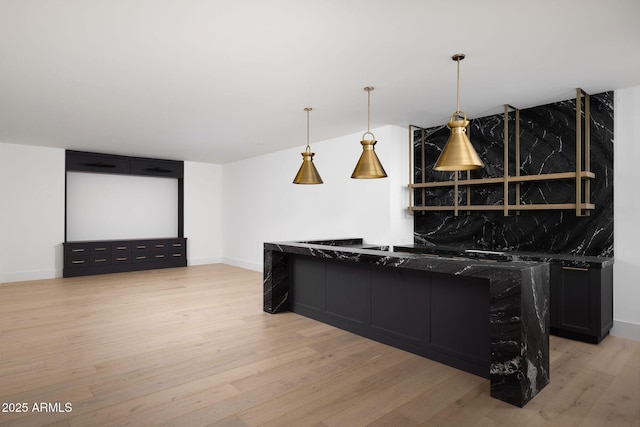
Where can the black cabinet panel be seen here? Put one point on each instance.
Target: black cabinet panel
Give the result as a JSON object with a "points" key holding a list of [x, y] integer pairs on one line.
{"points": [[101, 163], [460, 326], [153, 167], [109, 163], [401, 309], [394, 306], [85, 258], [581, 302], [309, 275], [345, 286]]}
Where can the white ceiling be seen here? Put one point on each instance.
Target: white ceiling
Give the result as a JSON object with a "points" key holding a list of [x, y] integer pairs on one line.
{"points": [[218, 81]]}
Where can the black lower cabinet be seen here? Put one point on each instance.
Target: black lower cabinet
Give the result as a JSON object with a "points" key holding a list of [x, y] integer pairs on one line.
{"points": [[439, 316], [115, 256], [581, 302]]}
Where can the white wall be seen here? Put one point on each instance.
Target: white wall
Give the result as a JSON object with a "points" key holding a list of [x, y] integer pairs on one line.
{"points": [[32, 205], [203, 212], [626, 288], [261, 204], [32, 212]]}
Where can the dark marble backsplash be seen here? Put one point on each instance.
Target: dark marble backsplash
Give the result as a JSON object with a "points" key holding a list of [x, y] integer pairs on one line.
{"points": [[547, 145]]}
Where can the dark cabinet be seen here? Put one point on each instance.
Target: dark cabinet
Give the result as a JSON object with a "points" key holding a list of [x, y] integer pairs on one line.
{"points": [[100, 257], [152, 167], [581, 302], [81, 161], [93, 162]]}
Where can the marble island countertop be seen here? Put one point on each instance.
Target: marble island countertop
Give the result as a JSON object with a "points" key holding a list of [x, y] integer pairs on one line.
{"points": [[353, 249]]}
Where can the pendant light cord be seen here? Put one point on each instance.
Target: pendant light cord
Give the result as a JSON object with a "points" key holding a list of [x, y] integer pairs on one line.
{"points": [[308, 149], [368, 111], [458, 88], [368, 89]]}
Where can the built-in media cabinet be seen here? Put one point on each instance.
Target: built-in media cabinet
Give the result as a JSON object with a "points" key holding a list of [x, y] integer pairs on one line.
{"points": [[87, 257], [115, 256]]}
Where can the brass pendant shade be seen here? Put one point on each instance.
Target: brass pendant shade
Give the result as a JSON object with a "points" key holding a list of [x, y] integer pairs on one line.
{"points": [[458, 154], [307, 174], [368, 165]]}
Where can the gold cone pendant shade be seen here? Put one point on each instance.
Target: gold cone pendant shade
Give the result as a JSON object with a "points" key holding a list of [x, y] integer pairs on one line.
{"points": [[458, 153], [368, 165], [307, 174]]}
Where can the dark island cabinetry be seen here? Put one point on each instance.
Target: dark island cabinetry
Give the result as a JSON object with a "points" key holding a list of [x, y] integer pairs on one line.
{"points": [[580, 288], [114, 256], [581, 302]]}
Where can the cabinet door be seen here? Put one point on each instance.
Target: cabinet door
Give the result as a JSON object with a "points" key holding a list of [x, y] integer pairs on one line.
{"points": [[577, 301], [151, 167], [101, 163]]}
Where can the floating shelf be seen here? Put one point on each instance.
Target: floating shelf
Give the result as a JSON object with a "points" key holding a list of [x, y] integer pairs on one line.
{"points": [[510, 179], [582, 175], [500, 207]]}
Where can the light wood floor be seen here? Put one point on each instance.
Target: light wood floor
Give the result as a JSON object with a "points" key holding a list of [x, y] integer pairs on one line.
{"points": [[192, 346]]}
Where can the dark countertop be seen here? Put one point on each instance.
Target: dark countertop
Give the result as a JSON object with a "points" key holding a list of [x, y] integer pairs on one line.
{"points": [[353, 249], [567, 260]]}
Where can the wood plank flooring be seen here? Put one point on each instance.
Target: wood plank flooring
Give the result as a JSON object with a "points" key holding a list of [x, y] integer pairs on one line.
{"points": [[192, 347]]}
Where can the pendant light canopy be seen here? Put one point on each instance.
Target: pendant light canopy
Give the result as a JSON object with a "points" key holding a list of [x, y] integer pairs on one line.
{"points": [[369, 165], [458, 154], [307, 174]]}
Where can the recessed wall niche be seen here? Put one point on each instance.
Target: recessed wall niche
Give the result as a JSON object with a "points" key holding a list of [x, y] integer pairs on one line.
{"points": [[109, 206], [547, 145]]}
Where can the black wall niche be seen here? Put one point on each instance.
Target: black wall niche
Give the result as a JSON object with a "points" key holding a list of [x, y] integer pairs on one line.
{"points": [[547, 145]]}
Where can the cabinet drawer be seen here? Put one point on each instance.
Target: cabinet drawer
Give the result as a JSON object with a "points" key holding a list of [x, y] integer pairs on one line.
{"points": [[76, 249], [104, 259], [102, 163], [121, 258], [120, 249], [151, 167], [141, 257], [141, 246], [76, 261], [159, 246], [101, 249]]}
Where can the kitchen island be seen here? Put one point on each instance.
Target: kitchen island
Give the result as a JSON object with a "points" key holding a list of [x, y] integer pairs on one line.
{"points": [[487, 317]]}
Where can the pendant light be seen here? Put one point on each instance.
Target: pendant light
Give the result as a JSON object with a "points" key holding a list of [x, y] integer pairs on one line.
{"points": [[307, 174], [458, 153], [369, 165]]}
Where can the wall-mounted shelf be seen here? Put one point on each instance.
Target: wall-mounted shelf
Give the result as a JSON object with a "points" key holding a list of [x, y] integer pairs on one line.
{"points": [[582, 175]]}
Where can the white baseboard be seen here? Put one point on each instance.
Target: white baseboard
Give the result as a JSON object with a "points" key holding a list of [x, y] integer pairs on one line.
{"points": [[24, 276], [203, 261], [625, 330], [242, 264]]}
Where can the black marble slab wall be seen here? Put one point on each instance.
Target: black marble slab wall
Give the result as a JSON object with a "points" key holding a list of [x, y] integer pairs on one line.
{"points": [[547, 145]]}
